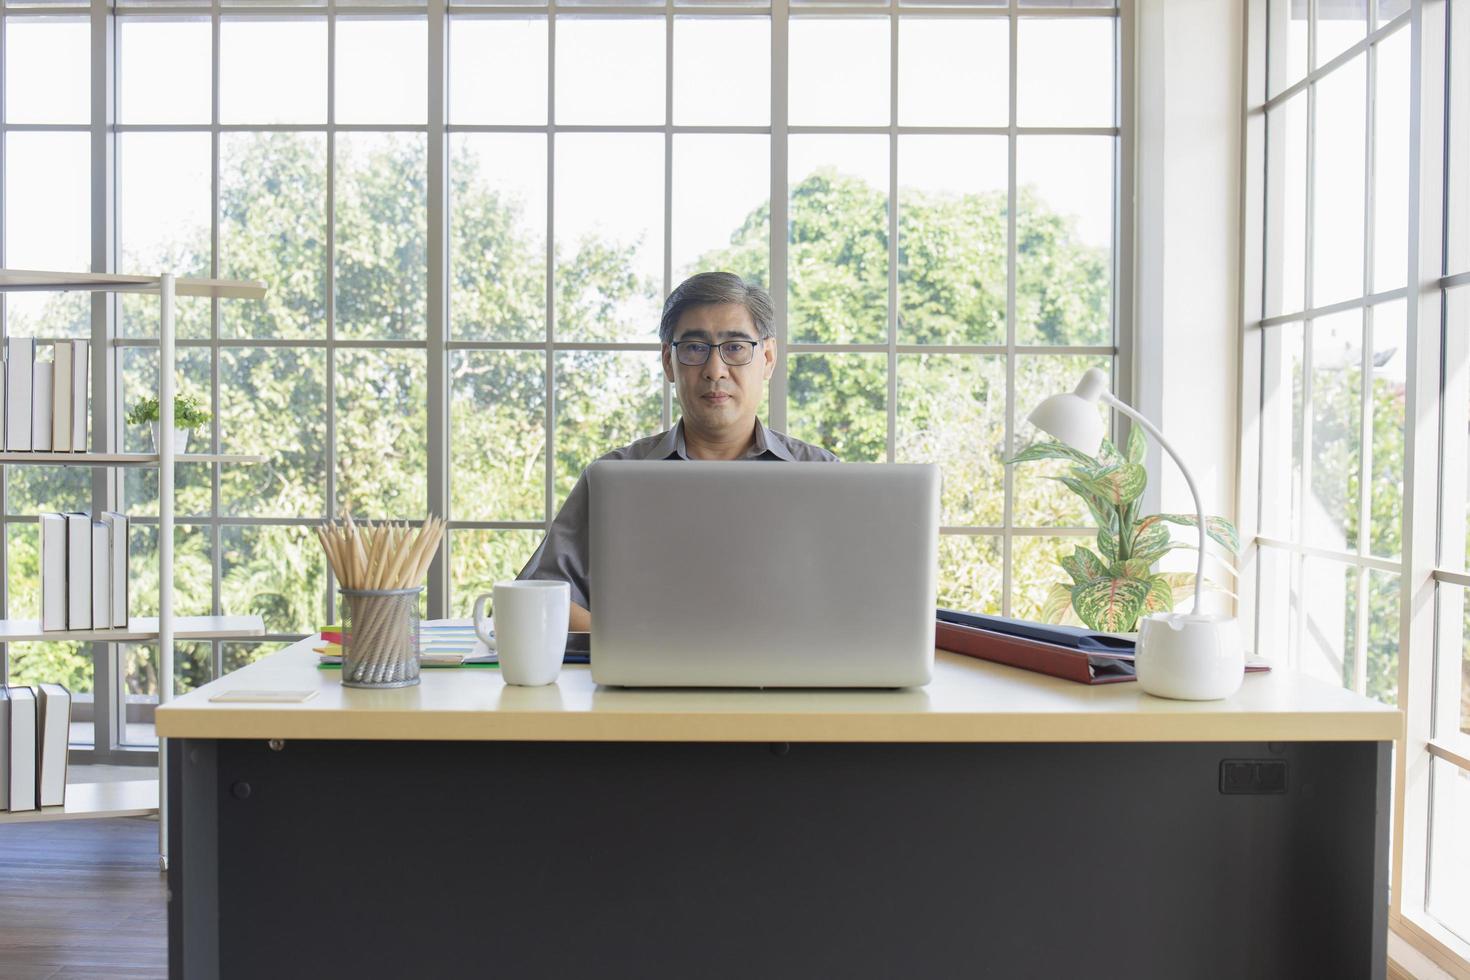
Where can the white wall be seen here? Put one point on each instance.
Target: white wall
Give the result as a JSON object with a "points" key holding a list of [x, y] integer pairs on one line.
{"points": [[1190, 61]]}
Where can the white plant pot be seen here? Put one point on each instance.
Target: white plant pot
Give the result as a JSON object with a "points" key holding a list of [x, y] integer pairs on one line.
{"points": [[1189, 657], [181, 440]]}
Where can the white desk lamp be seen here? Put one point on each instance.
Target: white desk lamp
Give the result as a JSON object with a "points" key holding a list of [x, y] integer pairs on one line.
{"points": [[1196, 656]]}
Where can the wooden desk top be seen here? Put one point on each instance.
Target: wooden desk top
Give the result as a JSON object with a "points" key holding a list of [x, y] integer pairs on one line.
{"points": [[968, 701]]}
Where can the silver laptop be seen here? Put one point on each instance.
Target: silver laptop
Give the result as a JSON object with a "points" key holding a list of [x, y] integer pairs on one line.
{"points": [[763, 574]]}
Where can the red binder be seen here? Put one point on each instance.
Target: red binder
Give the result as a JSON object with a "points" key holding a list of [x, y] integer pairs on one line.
{"points": [[1044, 658]]}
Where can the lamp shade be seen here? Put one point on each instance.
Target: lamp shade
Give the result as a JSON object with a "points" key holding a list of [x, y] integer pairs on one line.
{"points": [[1071, 419]]}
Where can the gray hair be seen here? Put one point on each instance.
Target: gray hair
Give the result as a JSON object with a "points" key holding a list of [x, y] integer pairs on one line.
{"points": [[713, 288]]}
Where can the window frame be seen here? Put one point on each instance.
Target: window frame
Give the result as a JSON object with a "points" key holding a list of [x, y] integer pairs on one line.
{"points": [[104, 129]]}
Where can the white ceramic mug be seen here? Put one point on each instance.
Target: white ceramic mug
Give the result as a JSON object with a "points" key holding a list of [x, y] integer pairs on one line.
{"points": [[530, 629]]}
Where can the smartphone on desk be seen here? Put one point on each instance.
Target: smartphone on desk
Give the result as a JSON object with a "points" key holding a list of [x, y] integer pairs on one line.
{"points": [[579, 647]]}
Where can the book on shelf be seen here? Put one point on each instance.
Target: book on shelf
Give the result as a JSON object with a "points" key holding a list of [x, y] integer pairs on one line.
{"points": [[54, 732], [80, 362], [61, 398], [78, 572], [117, 553], [53, 571], [101, 574], [41, 377], [20, 358], [22, 732], [4, 749]]}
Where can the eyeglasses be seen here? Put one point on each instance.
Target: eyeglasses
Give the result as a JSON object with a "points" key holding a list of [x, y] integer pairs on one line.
{"points": [[736, 353]]}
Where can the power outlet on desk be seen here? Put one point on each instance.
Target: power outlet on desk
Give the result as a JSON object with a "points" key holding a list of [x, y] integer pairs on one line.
{"points": [[1252, 776]]}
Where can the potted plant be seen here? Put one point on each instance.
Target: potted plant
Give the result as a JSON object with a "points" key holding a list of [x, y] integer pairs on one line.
{"points": [[1112, 587], [189, 414]]}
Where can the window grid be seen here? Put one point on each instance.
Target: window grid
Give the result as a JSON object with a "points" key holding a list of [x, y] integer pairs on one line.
{"points": [[439, 336]]}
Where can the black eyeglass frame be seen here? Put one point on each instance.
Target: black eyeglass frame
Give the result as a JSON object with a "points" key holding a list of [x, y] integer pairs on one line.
{"points": [[676, 344]]}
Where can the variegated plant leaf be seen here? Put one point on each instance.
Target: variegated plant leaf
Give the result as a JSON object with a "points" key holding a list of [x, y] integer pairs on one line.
{"points": [[1110, 605], [1132, 568], [1108, 452], [1083, 565], [1118, 485], [1151, 540], [1107, 545], [1052, 450], [1183, 585], [1103, 513], [1161, 597], [1221, 531], [1137, 444], [1055, 606]]}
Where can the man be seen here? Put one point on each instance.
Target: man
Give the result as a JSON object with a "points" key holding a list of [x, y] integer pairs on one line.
{"points": [[719, 350]]}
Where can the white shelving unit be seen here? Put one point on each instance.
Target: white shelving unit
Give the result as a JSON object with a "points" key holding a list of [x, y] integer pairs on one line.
{"points": [[138, 796]]}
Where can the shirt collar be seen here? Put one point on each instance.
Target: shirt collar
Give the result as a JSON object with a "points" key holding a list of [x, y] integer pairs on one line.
{"points": [[672, 445]]}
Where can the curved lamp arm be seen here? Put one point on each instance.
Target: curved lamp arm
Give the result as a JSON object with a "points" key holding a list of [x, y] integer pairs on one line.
{"points": [[1151, 429]]}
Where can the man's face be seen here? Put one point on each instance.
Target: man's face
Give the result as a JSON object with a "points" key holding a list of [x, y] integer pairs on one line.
{"points": [[716, 397]]}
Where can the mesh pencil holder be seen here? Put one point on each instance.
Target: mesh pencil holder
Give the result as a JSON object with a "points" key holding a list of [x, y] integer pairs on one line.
{"points": [[380, 637]]}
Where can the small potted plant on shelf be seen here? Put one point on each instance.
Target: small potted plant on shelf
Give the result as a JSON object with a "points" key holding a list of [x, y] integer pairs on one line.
{"points": [[189, 415]]}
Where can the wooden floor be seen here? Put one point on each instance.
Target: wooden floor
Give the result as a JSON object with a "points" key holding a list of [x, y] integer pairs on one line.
{"points": [[83, 899]]}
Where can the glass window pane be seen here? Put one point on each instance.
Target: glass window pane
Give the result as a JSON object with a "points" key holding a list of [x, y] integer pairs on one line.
{"points": [[1065, 70], [952, 239], [840, 402], [838, 74], [1454, 542], [954, 72], [192, 668], [1331, 516], [951, 411], [381, 219], [1325, 619], [1281, 431], [497, 71], [193, 482], [1389, 9], [1457, 205], [273, 403], [276, 573], [60, 663], [1452, 665], [1276, 602], [1391, 163], [273, 227], [610, 71], [273, 71], [722, 71], [382, 434], [193, 569], [497, 435], [237, 655], [163, 71], [1340, 25], [48, 71], [497, 236], [1036, 500], [837, 260], [478, 559], [48, 226], [1035, 570], [1380, 675], [721, 200], [1390, 386], [1064, 260], [1286, 43], [1286, 206], [969, 573], [609, 246], [603, 400], [1449, 849], [163, 202], [1337, 204], [382, 71]]}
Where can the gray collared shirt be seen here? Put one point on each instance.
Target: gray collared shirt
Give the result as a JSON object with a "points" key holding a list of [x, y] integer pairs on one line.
{"points": [[563, 553]]}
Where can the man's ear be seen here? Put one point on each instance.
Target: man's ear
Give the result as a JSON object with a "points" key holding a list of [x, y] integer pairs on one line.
{"points": [[667, 356], [768, 346]]}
